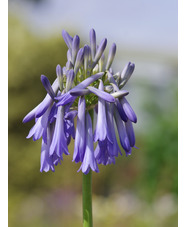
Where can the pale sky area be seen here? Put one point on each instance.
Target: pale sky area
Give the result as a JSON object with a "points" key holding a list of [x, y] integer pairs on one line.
{"points": [[138, 24]]}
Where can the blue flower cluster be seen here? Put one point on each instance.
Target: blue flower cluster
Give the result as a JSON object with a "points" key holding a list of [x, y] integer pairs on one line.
{"points": [[88, 88]]}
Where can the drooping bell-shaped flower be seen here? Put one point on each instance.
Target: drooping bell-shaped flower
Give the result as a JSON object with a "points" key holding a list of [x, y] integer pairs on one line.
{"points": [[130, 132], [69, 125], [124, 140], [89, 161], [128, 110], [48, 161], [59, 140], [80, 138], [40, 127], [102, 132], [40, 109], [102, 153]]}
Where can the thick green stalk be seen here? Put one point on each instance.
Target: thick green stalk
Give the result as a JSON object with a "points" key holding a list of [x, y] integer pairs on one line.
{"points": [[87, 200]]}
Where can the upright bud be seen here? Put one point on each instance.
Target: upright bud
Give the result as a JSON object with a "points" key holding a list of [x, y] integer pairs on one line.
{"points": [[79, 60], [68, 39], [70, 78], [59, 73], [87, 53], [111, 56], [47, 86], [126, 73], [93, 43], [75, 47], [101, 62], [100, 51]]}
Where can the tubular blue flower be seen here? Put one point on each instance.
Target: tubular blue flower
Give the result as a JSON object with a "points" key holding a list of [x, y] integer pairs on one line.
{"points": [[79, 145], [116, 94], [101, 132], [128, 110], [69, 125], [40, 109], [59, 140], [130, 133], [113, 148], [47, 161], [121, 111], [89, 161], [102, 153], [40, 127], [106, 151], [124, 140]]}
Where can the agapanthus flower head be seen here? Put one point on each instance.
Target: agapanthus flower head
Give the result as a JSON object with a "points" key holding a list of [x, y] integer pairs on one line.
{"points": [[85, 90]]}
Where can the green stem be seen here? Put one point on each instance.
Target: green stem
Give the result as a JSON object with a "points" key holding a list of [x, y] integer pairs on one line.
{"points": [[87, 199]]}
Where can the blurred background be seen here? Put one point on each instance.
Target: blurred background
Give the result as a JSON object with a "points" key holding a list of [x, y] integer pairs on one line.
{"points": [[139, 190]]}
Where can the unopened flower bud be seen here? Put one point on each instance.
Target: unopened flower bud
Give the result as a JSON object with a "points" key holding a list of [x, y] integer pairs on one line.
{"points": [[75, 47], [68, 39], [79, 60], [70, 78], [93, 43], [127, 72], [59, 73], [87, 53], [47, 86], [99, 51], [111, 56]]}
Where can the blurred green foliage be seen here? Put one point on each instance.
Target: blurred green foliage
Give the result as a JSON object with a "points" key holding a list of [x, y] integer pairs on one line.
{"points": [[142, 183]]}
